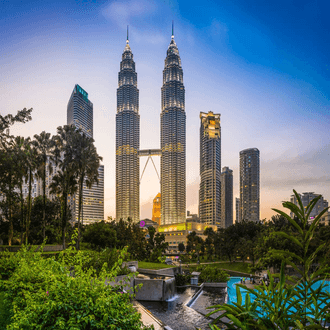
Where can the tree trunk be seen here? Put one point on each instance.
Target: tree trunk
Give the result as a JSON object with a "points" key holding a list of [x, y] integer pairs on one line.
{"points": [[22, 211], [65, 197], [81, 181], [11, 229], [28, 213], [44, 203]]}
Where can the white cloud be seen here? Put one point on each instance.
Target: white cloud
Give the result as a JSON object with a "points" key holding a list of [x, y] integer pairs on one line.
{"points": [[121, 12]]}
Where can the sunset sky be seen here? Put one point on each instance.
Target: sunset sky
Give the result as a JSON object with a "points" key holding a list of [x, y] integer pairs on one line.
{"points": [[263, 65]]}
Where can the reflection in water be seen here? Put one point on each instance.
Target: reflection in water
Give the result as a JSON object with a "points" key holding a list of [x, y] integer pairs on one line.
{"points": [[209, 297], [175, 314]]}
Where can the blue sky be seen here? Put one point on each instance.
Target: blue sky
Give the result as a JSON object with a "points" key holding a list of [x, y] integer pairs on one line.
{"points": [[262, 65]]}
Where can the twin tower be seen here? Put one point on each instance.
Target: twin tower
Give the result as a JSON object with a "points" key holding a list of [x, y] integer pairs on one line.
{"points": [[172, 140]]}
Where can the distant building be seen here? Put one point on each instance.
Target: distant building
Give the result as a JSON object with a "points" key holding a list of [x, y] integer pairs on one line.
{"points": [[237, 209], [177, 233], [226, 197], [192, 217], [80, 114], [156, 209], [210, 169], [321, 204], [249, 164]]}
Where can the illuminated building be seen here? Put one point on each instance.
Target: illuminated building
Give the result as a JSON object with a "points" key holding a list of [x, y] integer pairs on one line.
{"points": [[127, 140], [80, 111], [177, 233], [210, 169], [173, 139], [226, 197], [321, 204], [156, 209], [80, 114], [249, 163], [237, 209]]}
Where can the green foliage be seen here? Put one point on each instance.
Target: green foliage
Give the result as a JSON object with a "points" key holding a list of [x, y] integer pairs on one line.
{"points": [[291, 302], [100, 235], [182, 279], [66, 294], [210, 273]]}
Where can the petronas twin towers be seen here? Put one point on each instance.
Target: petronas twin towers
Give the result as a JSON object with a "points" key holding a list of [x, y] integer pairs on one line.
{"points": [[172, 140]]}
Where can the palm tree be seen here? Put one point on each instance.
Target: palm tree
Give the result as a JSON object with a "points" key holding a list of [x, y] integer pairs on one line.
{"points": [[87, 162], [64, 182], [43, 144]]}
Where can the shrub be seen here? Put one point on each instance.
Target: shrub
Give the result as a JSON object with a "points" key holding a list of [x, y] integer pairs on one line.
{"points": [[212, 274], [44, 294], [182, 279]]}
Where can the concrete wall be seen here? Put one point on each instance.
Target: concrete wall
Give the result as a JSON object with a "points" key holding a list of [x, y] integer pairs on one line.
{"points": [[151, 289], [215, 285], [159, 272], [123, 280]]}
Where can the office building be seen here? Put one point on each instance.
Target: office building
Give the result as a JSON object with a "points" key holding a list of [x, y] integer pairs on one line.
{"points": [[226, 197], [237, 209], [173, 139], [249, 184], [321, 204], [127, 140], [80, 114], [156, 209], [210, 169]]}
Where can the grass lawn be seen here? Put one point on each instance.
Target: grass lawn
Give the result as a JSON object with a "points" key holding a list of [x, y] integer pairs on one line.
{"points": [[235, 266], [152, 265]]}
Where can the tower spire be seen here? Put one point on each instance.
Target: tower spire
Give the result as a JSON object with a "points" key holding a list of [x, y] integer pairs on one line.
{"points": [[172, 29], [127, 40]]}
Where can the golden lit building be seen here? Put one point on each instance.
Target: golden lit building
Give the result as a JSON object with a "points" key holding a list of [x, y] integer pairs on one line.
{"points": [[177, 233], [156, 209]]}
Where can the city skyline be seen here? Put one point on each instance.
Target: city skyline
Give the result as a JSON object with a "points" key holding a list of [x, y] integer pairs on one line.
{"points": [[267, 78]]}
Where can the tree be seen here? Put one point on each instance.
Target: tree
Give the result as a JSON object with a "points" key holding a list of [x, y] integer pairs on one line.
{"points": [[43, 145], [87, 163], [100, 235], [181, 247], [64, 181]]}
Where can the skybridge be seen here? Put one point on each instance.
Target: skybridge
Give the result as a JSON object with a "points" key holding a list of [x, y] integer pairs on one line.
{"points": [[149, 153]]}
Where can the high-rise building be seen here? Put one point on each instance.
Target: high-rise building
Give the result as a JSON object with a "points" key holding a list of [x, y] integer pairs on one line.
{"points": [[156, 208], [306, 198], [249, 164], [80, 114], [226, 197], [127, 140], [237, 209], [173, 140], [210, 169], [80, 111]]}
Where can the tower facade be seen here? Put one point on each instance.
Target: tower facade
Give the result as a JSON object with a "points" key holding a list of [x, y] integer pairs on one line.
{"points": [[249, 164], [210, 169], [237, 209], [226, 197], [80, 114], [127, 140], [173, 140], [156, 208], [80, 111]]}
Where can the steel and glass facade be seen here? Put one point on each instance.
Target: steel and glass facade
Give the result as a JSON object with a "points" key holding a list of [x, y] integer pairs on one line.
{"points": [[249, 163], [80, 114], [210, 169], [173, 140], [226, 197], [127, 140]]}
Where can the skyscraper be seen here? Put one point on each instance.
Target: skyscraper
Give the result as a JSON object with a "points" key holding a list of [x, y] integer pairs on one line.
{"points": [[156, 209], [80, 114], [127, 140], [249, 165], [80, 111], [237, 209], [210, 169], [226, 197], [173, 139]]}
